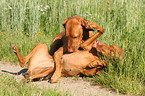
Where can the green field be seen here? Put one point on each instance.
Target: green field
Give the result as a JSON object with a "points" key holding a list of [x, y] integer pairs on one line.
{"points": [[29, 22]]}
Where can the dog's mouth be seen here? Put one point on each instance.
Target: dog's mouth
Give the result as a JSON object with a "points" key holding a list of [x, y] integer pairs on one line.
{"points": [[72, 48], [68, 52]]}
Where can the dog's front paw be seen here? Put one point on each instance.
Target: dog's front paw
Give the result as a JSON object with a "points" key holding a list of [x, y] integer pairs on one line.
{"points": [[14, 48], [55, 78]]}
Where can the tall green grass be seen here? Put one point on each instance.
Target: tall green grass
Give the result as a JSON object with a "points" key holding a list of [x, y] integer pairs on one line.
{"points": [[28, 22]]}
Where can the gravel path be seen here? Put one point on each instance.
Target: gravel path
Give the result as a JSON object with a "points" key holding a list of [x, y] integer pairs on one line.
{"points": [[77, 87]]}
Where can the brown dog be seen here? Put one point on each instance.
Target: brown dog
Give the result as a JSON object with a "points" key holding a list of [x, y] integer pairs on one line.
{"points": [[71, 39], [41, 64]]}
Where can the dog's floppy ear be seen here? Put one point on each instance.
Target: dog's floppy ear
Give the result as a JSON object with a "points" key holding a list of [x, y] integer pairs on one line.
{"points": [[64, 22], [85, 23]]}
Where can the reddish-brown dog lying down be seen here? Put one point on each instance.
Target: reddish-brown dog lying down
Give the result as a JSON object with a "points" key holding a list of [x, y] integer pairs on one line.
{"points": [[79, 34], [41, 64]]}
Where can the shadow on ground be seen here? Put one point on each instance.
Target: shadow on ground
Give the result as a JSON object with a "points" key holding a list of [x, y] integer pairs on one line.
{"points": [[23, 72]]}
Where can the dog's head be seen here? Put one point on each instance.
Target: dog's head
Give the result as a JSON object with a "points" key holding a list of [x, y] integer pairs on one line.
{"points": [[74, 27]]}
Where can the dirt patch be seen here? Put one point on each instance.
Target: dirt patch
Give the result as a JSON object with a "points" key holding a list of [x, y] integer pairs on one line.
{"points": [[77, 87]]}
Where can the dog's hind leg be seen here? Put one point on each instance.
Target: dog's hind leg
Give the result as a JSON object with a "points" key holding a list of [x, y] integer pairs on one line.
{"points": [[24, 60]]}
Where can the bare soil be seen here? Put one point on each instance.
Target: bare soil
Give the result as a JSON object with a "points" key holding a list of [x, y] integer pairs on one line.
{"points": [[75, 86]]}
